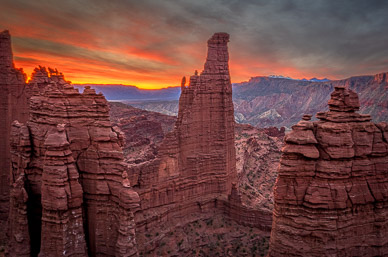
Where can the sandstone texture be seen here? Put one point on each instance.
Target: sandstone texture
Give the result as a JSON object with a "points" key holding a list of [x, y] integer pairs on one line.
{"points": [[144, 131], [70, 189], [331, 195], [207, 233], [13, 105], [257, 156], [195, 163]]}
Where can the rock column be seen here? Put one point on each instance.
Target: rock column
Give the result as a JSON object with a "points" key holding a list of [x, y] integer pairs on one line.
{"points": [[331, 194]]}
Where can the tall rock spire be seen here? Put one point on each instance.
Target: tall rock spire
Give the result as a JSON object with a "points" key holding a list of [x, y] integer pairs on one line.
{"points": [[13, 105], [205, 125], [6, 56]]}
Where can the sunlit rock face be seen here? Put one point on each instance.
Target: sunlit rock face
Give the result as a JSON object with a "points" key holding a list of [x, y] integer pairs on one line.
{"points": [[13, 105], [69, 179], [331, 194]]}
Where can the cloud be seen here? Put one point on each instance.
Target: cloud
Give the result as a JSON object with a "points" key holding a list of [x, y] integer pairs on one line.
{"points": [[322, 38]]}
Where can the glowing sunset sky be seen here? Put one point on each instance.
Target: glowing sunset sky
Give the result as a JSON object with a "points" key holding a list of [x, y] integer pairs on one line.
{"points": [[153, 43]]}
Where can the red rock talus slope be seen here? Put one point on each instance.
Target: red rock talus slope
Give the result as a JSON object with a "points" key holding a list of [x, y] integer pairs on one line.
{"points": [[144, 131], [331, 195], [79, 200], [13, 105], [257, 162]]}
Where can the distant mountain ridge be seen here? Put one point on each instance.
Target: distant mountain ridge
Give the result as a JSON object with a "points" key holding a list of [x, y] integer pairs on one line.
{"points": [[124, 92], [312, 79], [267, 101]]}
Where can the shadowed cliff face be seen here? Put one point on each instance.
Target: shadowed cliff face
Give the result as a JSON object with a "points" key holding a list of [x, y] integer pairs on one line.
{"points": [[331, 195]]}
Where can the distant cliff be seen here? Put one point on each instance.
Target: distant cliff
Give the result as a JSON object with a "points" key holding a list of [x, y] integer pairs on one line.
{"points": [[268, 101], [264, 101]]}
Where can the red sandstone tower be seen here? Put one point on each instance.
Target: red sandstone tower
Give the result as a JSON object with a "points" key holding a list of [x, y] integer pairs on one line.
{"points": [[205, 125], [13, 105]]}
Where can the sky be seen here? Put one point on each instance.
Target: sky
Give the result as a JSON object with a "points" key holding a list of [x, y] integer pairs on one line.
{"points": [[153, 43]]}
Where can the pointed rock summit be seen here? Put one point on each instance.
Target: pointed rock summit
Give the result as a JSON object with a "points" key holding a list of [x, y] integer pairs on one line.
{"points": [[6, 56], [331, 194]]}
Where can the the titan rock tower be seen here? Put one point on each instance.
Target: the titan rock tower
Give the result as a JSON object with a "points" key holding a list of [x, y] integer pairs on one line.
{"points": [[205, 125], [331, 194], [13, 105]]}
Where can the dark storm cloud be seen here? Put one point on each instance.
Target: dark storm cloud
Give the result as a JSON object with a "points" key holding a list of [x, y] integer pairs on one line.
{"points": [[74, 52], [323, 37]]}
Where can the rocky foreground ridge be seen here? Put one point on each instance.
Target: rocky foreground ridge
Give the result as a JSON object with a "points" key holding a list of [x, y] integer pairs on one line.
{"points": [[331, 194]]}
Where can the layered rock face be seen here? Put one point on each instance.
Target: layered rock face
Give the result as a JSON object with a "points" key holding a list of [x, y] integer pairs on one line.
{"points": [[187, 182], [196, 161], [13, 105], [205, 125], [331, 195], [76, 193]]}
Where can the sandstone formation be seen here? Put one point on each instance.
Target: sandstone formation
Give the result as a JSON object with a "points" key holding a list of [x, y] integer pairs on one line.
{"points": [[331, 195], [78, 197], [195, 163], [205, 124], [207, 233], [189, 175], [13, 105]]}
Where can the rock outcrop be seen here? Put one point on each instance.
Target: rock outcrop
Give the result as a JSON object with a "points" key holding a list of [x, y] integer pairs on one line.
{"points": [[331, 195], [79, 199], [13, 105]]}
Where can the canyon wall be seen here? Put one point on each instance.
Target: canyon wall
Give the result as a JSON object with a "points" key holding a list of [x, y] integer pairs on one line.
{"points": [[265, 101], [70, 189], [331, 194], [13, 105]]}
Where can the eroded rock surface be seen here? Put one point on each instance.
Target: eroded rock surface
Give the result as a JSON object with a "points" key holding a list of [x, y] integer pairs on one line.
{"points": [[79, 198], [190, 174], [331, 195]]}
